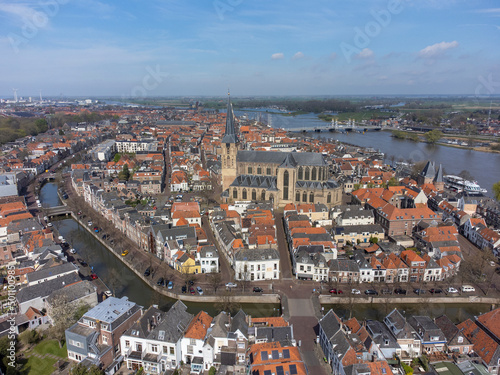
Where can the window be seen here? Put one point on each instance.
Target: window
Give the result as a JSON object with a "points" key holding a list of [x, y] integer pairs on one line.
{"points": [[235, 193], [268, 171], [285, 185], [311, 198], [263, 195], [249, 170], [254, 195], [127, 343], [297, 196], [306, 177], [259, 170], [329, 198], [301, 173], [190, 349], [172, 350], [304, 197], [154, 348], [105, 339], [244, 195], [313, 174]]}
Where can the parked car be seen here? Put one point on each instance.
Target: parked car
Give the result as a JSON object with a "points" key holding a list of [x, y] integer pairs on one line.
{"points": [[147, 272], [492, 264], [451, 290], [231, 285], [184, 289], [93, 276], [257, 289], [79, 213], [170, 285], [335, 291], [199, 290], [160, 282], [89, 223], [191, 290], [468, 288], [435, 291], [371, 292], [124, 253], [386, 291], [108, 293], [355, 291], [419, 291], [400, 291], [72, 251]]}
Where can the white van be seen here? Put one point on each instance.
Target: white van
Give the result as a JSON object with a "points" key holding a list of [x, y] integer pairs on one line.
{"points": [[468, 288]]}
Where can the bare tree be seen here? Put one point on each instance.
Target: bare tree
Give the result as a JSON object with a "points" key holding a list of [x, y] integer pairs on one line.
{"points": [[214, 279], [227, 303], [64, 314]]}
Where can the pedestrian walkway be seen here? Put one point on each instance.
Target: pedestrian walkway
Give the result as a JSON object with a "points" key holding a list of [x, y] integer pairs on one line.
{"points": [[304, 321]]}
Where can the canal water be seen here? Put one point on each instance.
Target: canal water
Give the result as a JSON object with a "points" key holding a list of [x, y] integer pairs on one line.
{"points": [[119, 279], [483, 166]]}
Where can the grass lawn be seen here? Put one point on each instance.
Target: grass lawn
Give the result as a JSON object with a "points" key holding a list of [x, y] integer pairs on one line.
{"points": [[37, 366], [51, 347]]}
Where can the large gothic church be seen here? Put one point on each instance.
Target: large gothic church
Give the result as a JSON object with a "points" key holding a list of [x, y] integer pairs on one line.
{"points": [[279, 177]]}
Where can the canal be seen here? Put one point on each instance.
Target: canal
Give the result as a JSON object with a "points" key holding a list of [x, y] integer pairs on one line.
{"points": [[120, 279], [123, 282], [483, 166]]}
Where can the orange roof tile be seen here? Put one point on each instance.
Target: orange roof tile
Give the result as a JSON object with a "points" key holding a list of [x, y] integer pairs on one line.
{"points": [[198, 327]]}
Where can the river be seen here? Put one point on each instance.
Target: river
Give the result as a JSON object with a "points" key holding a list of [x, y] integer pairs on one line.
{"points": [[483, 166]]}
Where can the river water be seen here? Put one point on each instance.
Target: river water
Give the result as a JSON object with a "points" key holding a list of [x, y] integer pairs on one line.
{"points": [[483, 166]]}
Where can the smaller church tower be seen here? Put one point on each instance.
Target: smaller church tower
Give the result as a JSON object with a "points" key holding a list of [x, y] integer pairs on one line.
{"points": [[230, 144]]}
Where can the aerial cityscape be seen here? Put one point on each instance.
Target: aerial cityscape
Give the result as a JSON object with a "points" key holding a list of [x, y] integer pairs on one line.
{"points": [[264, 188]]}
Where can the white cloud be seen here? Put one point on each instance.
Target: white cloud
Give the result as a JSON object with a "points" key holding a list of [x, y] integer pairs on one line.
{"points": [[489, 11], [277, 56], [298, 56], [437, 49], [365, 53]]}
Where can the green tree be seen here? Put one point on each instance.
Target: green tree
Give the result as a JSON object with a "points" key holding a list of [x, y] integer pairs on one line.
{"points": [[433, 136], [28, 337], [80, 369], [392, 182], [212, 371], [496, 190], [373, 239], [117, 158], [125, 173], [407, 369]]}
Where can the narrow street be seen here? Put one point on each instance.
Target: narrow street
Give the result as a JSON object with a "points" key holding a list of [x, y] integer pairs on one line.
{"points": [[285, 262], [227, 273]]}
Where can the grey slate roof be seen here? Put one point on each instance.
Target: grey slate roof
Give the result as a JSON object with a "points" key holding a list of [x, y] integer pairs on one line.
{"points": [[273, 157], [263, 182], [273, 334], [358, 229], [239, 322], [330, 324], [51, 271], [230, 132], [429, 170], [46, 288], [381, 334], [256, 254], [73, 292]]}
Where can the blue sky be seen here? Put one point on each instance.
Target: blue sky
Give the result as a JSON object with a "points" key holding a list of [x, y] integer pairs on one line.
{"points": [[255, 47]]}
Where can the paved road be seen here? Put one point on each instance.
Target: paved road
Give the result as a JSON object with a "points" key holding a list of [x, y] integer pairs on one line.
{"points": [[226, 271], [285, 262]]}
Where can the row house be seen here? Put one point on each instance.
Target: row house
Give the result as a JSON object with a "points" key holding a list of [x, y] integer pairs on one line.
{"points": [[356, 234], [309, 263], [257, 264], [405, 335], [396, 221], [431, 337], [95, 338], [154, 341]]}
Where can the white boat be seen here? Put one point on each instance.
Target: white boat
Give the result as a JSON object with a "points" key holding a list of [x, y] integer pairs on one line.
{"points": [[462, 185]]}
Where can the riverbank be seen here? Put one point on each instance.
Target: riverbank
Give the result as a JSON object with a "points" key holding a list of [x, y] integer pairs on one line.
{"points": [[451, 137], [331, 300]]}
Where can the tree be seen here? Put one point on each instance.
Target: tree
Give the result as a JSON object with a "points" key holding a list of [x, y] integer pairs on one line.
{"points": [[117, 157], [496, 190], [125, 173], [466, 175], [226, 303], [392, 182], [373, 239], [80, 369], [214, 279], [64, 314], [433, 136], [212, 371], [29, 337]]}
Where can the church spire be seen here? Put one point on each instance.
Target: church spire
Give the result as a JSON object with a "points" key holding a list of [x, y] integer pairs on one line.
{"points": [[230, 134]]}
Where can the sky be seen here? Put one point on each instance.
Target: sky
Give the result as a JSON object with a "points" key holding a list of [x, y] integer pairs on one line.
{"points": [[133, 48]]}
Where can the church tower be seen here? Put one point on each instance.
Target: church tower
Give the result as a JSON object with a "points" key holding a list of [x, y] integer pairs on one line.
{"points": [[229, 147]]}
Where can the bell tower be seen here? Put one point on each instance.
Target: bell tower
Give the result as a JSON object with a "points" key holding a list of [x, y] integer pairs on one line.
{"points": [[229, 147]]}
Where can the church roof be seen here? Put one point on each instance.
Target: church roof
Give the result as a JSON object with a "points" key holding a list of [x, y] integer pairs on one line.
{"points": [[275, 157], [429, 171], [265, 182], [439, 174], [230, 133], [289, 162]]}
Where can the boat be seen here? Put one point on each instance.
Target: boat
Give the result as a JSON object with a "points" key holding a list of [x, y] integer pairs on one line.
{"points": [[462, 185]]}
